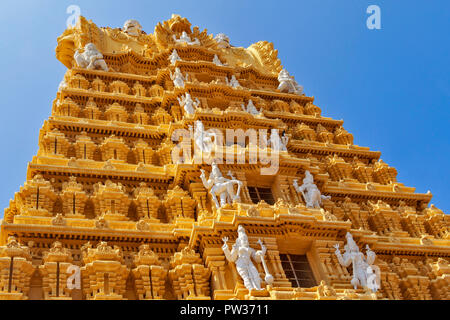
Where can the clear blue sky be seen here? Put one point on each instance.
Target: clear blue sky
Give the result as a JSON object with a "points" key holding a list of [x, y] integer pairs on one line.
{"points": [[391, 86]]}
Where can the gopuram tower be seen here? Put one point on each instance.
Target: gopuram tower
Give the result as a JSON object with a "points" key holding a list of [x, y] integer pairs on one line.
{"points": [[177, 166]]}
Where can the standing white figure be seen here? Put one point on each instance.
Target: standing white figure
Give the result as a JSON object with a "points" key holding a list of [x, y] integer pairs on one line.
{"points": [[277, 143], [313, 197], [220, 186], [241, 255], [363, 268], [233, 82], [288, 83], [203, 139], [251, 108], [222, 40], [184, 38], [62, 85], [178, 79], [284, 142], [91, 58], [217, 61], [174, 57], [189, 104]]}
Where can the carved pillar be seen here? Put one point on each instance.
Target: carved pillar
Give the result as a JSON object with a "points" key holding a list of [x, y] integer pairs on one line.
{"points": [[245, 195], [283, 188], [111, 201], [15, 271], [179, 204], [54, 273], [36, 197], [147, 202], [189, 276], [440, 286], [385, 219], [149, 274], [104, 273], [200, 194], [215, 261]]}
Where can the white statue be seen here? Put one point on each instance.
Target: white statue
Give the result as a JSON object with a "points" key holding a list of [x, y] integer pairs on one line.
{"points": [[251, 108], [184, 38], [284, 142], [174, 57], [217, 61], [62, 85], [233, 82], [365, 273], [189, 104], [288, 83], [312, 196], [241, 255], [178, 79], [91, 58], [277, 143], [220, 186], [203, 139], [132, 27], [222, 40]]}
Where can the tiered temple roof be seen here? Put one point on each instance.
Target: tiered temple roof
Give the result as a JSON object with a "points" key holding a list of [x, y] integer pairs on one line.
{"points": [[104, 194]]}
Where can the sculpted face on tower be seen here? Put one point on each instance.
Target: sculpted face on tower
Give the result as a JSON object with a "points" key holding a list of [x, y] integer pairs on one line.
{"points": [[91, 48], [351, 244], [222, 40], [132, 27], [308, 177], [284, 74], [242, 237]]}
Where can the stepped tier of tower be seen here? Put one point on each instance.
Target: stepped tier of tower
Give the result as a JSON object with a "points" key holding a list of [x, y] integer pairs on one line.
{"points": [[103, 193]]}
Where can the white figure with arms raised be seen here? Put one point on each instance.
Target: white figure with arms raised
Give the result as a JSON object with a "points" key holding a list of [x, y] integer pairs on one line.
{"points": [[242, 255], [188, 104], [233, 82], [363, 268], [251, 108], [178, 79], [184, 38], [220, 186], [174, 57], [310, 192]]}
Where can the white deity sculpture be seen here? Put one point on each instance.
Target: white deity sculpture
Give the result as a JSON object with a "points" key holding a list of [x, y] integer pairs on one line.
{"points": [[365, 273], [188, 104], [203, 139], [220, 186], [178, 79], [222, 40], [277, 143], [184, 38], [288, 83], [233, 82], [242, 254], [310, 192], [132, 27], [91, 58], [174, 57], [62, 85], [251, 108], [217, 61], [284, 142]]}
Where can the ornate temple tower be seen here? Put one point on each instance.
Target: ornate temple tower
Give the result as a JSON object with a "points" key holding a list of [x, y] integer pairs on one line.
{"points": [[116, 206]]}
